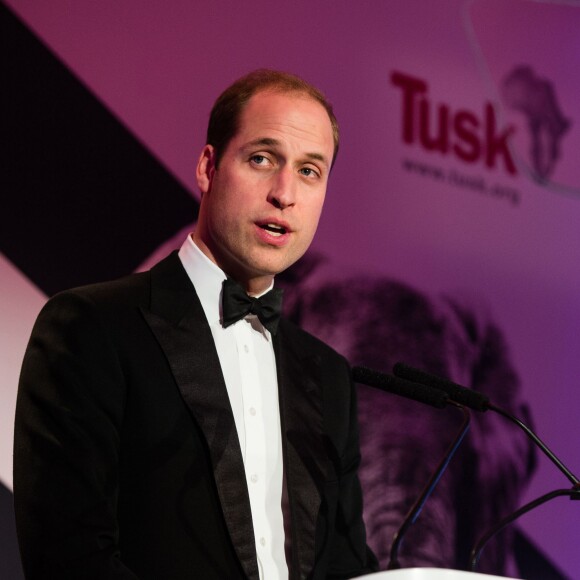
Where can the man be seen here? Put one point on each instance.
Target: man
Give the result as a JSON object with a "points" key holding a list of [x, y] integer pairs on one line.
{"points": [[158, 435]]}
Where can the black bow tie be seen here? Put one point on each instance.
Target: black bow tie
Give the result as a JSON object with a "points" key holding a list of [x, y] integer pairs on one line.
{"points": [[236, 304]]}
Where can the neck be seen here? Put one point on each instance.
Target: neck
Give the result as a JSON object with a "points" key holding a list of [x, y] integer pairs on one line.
{"points": [[255, 286], [252, 284]]}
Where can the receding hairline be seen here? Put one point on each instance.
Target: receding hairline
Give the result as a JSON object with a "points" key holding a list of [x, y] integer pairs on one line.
{"points": [[230, 105], [301, 94]]}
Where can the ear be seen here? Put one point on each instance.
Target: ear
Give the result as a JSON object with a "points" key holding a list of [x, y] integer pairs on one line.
{"points": [[205, 169]]}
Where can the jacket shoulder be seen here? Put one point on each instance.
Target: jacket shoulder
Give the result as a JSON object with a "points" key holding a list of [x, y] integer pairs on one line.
{"points": [[133, 289], [310, 344]]}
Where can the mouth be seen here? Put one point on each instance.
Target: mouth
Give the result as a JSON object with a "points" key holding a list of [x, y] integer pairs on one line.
{"points": [[274, 229]]}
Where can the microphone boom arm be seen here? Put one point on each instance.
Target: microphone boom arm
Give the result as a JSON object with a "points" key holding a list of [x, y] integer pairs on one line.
{"points": [[543, 447], [574, 493], [416, 508], [479, 402]]}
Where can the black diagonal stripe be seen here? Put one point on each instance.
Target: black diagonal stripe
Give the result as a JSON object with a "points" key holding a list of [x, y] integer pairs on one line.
{"points": [[81, 199]]}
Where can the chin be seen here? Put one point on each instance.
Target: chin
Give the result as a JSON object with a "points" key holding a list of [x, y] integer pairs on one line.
{"points": [[271, 267]]}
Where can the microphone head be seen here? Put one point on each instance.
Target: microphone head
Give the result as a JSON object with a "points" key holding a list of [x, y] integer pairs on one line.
{"points": [[472, 399], [397, 386]]}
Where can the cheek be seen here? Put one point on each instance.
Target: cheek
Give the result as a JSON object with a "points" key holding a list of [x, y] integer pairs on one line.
{"points": [[314, 212], [310, 225], [224, 206]]}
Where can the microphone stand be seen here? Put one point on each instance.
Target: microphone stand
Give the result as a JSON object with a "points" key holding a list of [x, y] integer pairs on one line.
{"points": [[475, 555], [481, 402], [417, 507], [573, 493]]}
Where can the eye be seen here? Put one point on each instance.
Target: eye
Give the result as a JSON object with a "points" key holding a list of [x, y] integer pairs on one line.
{"points": [[259, 159], [309, 172]]}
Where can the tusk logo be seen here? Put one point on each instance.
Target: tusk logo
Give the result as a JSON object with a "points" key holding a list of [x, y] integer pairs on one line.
{"points": [[469, 137]]}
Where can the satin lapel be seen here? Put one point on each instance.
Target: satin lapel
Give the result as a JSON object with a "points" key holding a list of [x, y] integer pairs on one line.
{"points": [[306, 461], [178, 322]]}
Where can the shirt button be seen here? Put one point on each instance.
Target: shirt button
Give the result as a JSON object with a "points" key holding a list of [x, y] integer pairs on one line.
{"points": [[252, 411], [254, 478], [246, 348], [263, 541]]}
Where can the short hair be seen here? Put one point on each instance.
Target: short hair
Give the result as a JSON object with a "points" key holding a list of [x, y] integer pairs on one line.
{"points": [[225, 114]]}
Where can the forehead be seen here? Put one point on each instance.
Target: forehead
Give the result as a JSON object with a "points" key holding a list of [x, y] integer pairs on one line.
{"points": [[295, 117]]}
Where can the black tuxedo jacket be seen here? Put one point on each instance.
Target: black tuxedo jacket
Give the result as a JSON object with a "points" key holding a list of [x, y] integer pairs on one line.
{"points": [[127, 462]]}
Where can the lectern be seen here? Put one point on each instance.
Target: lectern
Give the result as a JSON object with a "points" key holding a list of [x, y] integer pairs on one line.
{"points": [[428, 574]]}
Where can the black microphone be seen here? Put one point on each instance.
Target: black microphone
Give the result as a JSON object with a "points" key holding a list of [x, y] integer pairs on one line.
{"points": [[468, 397], [397, 386], [425, 394]]}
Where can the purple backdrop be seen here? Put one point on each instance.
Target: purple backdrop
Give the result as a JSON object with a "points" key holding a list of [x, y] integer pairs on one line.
{"points": [[458, 173]]}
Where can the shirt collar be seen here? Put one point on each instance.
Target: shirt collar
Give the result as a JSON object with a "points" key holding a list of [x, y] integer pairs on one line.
{"points": [[207, 278]]}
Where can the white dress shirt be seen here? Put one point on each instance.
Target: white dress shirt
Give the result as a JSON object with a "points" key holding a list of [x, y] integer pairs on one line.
{"points": [[248, 364]]}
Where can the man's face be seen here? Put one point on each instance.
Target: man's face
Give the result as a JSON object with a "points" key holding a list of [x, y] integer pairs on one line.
{"points": [[260, 207]]}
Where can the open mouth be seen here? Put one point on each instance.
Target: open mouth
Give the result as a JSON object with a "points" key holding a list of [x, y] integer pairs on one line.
{"points": [[274, 229]]}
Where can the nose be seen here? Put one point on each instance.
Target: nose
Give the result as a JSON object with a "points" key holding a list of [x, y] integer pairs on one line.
{"points": [[283, 189]]}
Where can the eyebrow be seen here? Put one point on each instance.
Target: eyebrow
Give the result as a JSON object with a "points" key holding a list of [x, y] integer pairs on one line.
{"points": [[270, 142]]}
